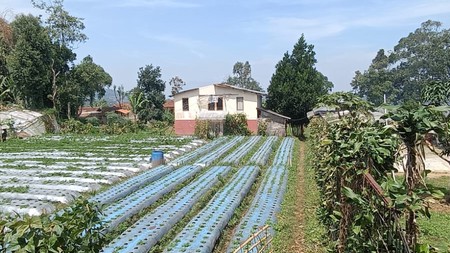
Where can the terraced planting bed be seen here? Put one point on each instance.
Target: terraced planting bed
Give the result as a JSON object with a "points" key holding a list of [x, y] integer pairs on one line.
{"points": [[39, 174], [182, 206]]}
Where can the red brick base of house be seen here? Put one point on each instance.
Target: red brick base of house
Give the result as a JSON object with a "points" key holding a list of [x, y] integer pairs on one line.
{"points": [[184, 127], [187, 127], [253, 125]]}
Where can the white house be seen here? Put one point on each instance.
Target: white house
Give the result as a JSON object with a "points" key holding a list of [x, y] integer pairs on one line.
{"points": [[214, 102]]}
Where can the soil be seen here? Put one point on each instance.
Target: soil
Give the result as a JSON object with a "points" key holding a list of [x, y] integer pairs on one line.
{"points": [[440, 207], [299, 236]]}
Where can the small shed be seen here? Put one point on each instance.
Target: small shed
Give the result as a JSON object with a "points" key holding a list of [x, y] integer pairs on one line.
{"points": [[276, 123]]}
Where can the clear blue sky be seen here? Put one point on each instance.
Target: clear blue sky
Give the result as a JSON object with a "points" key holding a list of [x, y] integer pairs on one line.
{"points": [[200, 40]]}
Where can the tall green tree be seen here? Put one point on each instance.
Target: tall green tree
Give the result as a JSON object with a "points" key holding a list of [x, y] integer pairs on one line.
{"points": [[419, 58], [29, 62], [6, 44], [65, 31], [375, 82], [242, 77], [85, 81], [296, 84], [152, 86]]}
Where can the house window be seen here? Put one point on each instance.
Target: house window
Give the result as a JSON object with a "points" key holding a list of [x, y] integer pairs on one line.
{"points": [[219, 105], [215, 103], [185, 104], [240, 103]]}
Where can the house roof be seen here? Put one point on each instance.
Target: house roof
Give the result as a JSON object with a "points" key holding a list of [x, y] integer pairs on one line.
{"points": [[123, 111], [225, 85], [273, 113], [168, 104]]}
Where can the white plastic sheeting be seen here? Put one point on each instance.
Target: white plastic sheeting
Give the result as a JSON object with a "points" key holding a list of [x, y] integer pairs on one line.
{"points": [[25, 121]]}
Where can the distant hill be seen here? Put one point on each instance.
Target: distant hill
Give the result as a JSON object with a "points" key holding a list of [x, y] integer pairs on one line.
{"points": [[109, 98]]}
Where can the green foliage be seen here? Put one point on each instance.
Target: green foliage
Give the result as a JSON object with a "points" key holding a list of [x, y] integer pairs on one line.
{"points": [[202, 129], [93, 121], [346, 101], [242, 77], [236, 124], [436, 93], [137, 102], [86, 80], [262, 127], [417, 61], [168, 117], [76, 229], [296, 84], [342, 152], [152, 88], [375, 82], [29, 62]]}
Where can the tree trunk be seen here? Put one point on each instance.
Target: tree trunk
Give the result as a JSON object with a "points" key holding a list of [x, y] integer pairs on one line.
{"points": [[411, 181], [68, 110]]}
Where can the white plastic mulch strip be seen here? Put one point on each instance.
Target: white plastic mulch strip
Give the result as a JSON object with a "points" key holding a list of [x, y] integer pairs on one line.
{"points": [[66, 179], [59, 187]]}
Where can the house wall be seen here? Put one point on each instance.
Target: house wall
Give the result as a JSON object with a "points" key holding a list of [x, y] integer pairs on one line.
{"points": [[198, 106]]}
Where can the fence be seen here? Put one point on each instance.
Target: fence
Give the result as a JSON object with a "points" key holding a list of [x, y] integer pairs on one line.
{"points": [[259, 242], [391, 232]]}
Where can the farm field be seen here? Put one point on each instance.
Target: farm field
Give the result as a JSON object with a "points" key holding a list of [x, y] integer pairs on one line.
{"points": [[39, 174], [229, 184]]}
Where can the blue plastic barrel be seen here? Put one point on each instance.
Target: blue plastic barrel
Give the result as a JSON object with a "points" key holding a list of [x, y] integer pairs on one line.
{"points": [[157, 158]]}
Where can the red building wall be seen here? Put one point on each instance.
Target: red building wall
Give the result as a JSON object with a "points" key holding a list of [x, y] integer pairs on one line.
{"points": [[184, 127], [187, 127]]}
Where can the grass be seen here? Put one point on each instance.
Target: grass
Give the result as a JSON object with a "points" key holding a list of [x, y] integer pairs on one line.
{"points": [[436, 230], [298, 229]]}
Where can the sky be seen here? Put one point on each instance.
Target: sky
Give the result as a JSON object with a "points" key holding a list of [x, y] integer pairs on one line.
{"points": [[201, 40]]}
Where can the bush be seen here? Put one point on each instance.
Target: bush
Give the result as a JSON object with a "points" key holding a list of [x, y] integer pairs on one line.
{"points": [[93, 121], [262, 127], [236, 124], [202, 129], [76, 229]]}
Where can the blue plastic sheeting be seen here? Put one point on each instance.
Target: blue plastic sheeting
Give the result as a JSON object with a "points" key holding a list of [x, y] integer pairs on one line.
{"points": [[211, 157], [236, 156], [182, 160], [146, 232], [130, 185], [284, 152], [117, 212], [262, 154], [203, 230], [264, 206]]}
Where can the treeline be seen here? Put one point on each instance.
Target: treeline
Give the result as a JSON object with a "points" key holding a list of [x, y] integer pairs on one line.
{"points": [[417, 66], [37, 69]]}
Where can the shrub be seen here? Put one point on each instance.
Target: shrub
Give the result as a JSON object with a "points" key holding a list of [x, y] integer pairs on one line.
{"points": [[93, 121], [262, 127], [76, 229], [236, 124], [202, 129]]}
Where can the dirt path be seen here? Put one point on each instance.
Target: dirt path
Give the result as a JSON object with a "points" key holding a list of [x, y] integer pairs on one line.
{"points": [[299, 211]]}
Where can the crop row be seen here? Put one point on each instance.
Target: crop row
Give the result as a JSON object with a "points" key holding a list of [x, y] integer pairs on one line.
{"points": [[33, 181], [284, 152], [124, 208], [132, 184], [211, 157], [264, 206], [148, 230], [201, 233], [199, 151], [262, 154], [236, 156]]}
